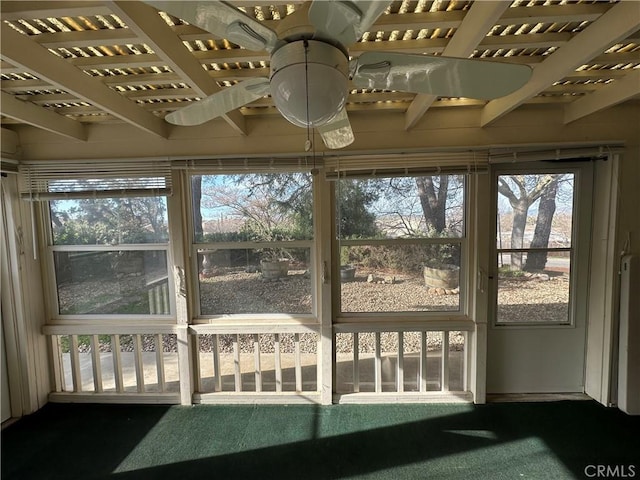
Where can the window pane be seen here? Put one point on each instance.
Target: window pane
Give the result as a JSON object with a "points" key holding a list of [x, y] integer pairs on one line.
{"points": [[535, 211], [400, 278], [535, 297], [109, 221], [115, 282], [401, 207], [535, 214], [272, 280], [252, 207]]}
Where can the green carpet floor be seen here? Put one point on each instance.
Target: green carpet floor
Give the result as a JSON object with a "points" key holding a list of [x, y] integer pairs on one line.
{"points": [[552, 440]]}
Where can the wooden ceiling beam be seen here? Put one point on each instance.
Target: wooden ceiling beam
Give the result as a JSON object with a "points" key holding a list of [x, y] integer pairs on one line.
{"points": [[616, 24], [7, 68], [87, 38], [144, 60], [419, 21], [161, 94], [24, 85], [49, 98], [266, 107], [511, 16], [609, 95], [595, 74], [141, 79], [151, 60], [20, 50], [26, 112], [122, 36], [553, 14], [16, 10], [446, 20], [154, 31], [494, 42], [479, 20]]}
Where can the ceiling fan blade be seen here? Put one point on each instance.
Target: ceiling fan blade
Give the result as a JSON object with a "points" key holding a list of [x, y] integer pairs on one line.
{"points": [[337, 133], [441, 76], [223, 20], [220, 103], [345, 20]]}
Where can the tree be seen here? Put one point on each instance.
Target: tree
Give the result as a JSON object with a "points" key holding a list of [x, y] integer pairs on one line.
{"points": [[354, 218], [433, 192], [196, 194], [98, 221], [411, 207], [262, 207], [546, 209], [279, 206], [522, 191]]}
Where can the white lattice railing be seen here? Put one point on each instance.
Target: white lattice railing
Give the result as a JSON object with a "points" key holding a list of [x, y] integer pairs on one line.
{"points": [[275, 363], [379, 364], [115, 364], [215, 363]]}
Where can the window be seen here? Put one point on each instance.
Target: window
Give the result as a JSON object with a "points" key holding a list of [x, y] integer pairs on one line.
{"points": [[253, 235], [535, 248], [401, 243], [110, 256]]}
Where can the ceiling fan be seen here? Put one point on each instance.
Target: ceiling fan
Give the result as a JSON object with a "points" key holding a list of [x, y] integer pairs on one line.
{"points": [[310, 65]]}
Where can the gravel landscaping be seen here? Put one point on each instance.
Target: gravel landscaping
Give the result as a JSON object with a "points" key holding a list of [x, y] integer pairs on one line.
{"points": [[236, 291], [537, 298]]}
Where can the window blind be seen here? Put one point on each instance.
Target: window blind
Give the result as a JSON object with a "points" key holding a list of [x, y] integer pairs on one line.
{"points": [[246, 165], [44, 180], [566, 154], [368, 166]]}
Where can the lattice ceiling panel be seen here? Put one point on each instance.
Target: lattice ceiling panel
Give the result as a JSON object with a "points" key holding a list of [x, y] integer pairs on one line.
{"points": [[96, 41]]}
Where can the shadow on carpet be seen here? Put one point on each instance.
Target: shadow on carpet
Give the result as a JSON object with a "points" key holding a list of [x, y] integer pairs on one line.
{"points": [[551, 440]]}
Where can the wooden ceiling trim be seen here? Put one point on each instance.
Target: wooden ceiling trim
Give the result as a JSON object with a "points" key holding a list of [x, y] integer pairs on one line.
{"points": [[619, 22], [148, 24], [20, 50], [135, 64], [481, 18], [108, 37], [16, 10], [87, 38], [48, 98], [608, 96], [106, 62], [581, 12], [24, 85], [31, 114]]}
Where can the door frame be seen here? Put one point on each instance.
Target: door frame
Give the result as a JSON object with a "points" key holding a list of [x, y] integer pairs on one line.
{"points": [[507, 370]]}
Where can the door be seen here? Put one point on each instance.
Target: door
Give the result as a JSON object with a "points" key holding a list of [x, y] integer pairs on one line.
{"points": [[536, 338]]}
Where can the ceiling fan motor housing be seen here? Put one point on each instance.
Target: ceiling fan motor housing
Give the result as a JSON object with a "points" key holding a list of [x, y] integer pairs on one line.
{"points": [[309, 81]]}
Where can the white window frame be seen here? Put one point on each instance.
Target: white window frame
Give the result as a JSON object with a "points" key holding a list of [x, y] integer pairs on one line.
{"points": [[460, 319], [580, 236], [239, 319], [115, 319]]}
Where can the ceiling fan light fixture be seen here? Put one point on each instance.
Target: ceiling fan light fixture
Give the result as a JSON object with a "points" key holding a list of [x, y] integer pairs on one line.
{"points": [[309, 82]]}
